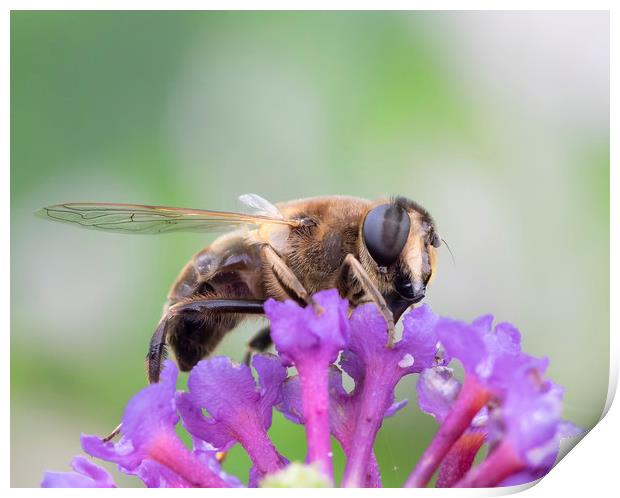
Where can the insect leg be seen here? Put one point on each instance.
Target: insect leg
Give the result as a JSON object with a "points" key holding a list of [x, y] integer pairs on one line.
{"points": [[352, 266], [112, 434], [158, 351], [259, 343], [201, 308], [154, 358], [284, 279], [202, 313]]}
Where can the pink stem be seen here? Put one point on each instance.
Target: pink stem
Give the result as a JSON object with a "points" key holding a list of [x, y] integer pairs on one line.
{"points": [[373, 403], [500, 464], [259, 447], [470, 400], [170, 451], [459, 459], [315, 398], [373, 474]]}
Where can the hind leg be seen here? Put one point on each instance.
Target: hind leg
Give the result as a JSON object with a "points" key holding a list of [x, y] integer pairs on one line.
{"points": [[194, 328]]}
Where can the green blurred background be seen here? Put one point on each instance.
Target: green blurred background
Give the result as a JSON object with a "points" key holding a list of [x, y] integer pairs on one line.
{"points": [[498, 123]]}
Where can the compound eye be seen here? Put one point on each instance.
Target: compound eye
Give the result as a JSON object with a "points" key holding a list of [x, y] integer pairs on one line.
{"points": [[385, 231]]}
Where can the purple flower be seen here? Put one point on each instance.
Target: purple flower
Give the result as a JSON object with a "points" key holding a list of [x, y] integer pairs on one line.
{"points": [[541, 459], [149, 446], [304, 335], [155, 475], [377, 369], [437, 391], [460, 458], [239, 410], [491, 358], [529, 428], [343, 413], [504, 401], [86, 475], [311, 341], [149, 417]]}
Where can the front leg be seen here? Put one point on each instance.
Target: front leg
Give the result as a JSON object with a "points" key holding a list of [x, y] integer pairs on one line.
{"points": [[352, 268], [281, 282]]}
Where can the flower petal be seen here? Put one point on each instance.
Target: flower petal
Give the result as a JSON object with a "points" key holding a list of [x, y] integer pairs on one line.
{"points": [[149, 414], [237, 409], [207, 429], [271, 376], [87, 475], [396, 407], [462, 341], [225, 390], [301, 334], [419, 336], [437, 390]]}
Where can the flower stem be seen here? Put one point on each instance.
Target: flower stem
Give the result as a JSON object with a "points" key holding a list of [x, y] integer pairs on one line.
{"points": [[460, 458], [375, 398], [315, 398], [470, 400], [170, 451], [500, 464], [259, 448]]}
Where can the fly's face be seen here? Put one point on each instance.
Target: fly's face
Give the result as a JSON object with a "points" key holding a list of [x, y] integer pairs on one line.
{"points": [[398, 242]]}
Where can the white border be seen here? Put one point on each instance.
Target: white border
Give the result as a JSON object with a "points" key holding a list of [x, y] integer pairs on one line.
{"points": [[586, 470]]}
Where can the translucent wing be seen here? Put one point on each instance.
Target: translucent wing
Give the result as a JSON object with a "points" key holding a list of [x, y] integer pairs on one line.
{"points": [[255, 204], [136, 218]]}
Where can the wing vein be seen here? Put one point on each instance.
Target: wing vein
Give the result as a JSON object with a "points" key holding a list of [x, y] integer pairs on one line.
{"points": [[143, 219]]}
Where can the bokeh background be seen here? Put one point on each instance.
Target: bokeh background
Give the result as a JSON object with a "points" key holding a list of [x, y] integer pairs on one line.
{"points": [[498, 123]]}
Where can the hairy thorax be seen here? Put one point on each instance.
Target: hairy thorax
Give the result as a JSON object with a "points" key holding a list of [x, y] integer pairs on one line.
{"points": [[315, 252]]}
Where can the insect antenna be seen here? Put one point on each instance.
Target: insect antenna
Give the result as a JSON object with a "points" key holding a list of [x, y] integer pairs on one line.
{"points": [[449, 250]]}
